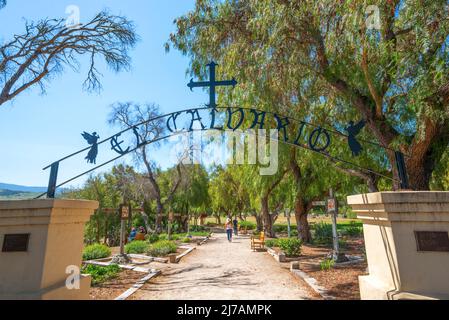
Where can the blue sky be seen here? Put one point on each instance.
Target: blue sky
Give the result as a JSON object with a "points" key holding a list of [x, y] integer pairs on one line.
{"points": [[37, 129]]}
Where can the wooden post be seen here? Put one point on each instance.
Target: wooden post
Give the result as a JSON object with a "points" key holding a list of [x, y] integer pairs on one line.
{"points": [[124, 217], [332, 210], [122, 236], [287, 215], [170, 219]]}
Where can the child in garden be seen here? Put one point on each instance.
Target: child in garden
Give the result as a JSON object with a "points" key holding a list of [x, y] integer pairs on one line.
{"points": [[229, 227]]}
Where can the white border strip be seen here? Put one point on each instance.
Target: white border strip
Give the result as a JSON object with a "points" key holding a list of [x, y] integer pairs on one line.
{"points": [[313, 283], [138, 285]]}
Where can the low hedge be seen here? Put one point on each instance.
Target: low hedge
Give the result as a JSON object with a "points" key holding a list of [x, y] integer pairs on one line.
{"points": [[248, 225], [96, 251], [101, 273], [290, 246], [137, 247], [162, 248]]}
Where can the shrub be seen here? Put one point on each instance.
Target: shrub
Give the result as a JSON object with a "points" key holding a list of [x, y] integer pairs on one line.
{"points": [[351, 214], [198, 228], [270, 243], [162, 248], [136, 247], [200, 233], [163, 236], [248, 225], [327, 264], [323, 233], [282, 228], [290, 246], [353, 230], [152, 238], [96, 251], [186, 240], [101, 273]]}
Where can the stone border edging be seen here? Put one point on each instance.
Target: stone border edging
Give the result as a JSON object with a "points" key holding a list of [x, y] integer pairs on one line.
{"points": [[138, 285], [280, 257], [182, 255], [313, 283]]}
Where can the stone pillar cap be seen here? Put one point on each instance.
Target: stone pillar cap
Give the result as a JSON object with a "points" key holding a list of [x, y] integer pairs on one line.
{"points": [[400, 197], [48, 203]]}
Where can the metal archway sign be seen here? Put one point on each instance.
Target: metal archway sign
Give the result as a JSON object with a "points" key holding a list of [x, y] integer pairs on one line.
{"points": [[291, 131]]}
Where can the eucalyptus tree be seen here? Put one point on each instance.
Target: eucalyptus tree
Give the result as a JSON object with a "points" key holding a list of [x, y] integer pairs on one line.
{"points": [[128, 115], [47, 47], [386, 64]]}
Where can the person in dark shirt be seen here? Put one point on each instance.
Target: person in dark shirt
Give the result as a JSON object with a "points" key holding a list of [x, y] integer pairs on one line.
{"points": [[236, 226]]}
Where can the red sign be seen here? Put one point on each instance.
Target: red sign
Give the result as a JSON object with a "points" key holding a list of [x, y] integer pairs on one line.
{"points": [[330, 205]]}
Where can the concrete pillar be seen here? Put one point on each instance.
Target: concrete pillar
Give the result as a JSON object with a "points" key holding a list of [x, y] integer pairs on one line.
{"points": [[407, 244], [36, 269]]}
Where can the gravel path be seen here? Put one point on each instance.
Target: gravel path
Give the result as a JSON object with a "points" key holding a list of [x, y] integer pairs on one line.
{"points": [[221, 270]]}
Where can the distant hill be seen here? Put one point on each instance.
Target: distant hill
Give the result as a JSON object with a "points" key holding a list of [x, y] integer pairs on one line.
{"points": [[17, 195], [14, 187]]}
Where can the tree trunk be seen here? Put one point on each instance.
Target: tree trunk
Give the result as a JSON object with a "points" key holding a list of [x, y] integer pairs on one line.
{"points": [[302, 224], [259, 222], [106, 233], [98, 230], [267, 222], [301, 212]]}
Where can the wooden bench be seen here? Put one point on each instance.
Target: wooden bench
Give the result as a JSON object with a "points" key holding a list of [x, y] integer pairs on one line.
{"points": [[258, 243]]}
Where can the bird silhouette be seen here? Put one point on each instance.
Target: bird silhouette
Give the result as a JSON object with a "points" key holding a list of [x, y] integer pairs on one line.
{"points": [[353, 130]]}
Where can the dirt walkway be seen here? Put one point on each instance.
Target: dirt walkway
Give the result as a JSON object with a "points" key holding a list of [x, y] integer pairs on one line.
{"points": [[221, 270]]}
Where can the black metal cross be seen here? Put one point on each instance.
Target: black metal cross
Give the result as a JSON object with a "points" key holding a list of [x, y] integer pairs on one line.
{"points": [[212, 84]]}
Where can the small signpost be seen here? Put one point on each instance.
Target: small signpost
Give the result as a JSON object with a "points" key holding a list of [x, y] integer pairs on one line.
{"points": [[287, 215], [171, 217], [125, 214], [332, 209]]}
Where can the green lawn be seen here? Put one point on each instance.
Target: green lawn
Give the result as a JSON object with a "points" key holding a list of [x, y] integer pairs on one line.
{"points": [[342, 223]]}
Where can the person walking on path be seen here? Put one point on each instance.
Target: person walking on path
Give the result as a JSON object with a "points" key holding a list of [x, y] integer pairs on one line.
{"points": [[228, 227], [236, 226]]}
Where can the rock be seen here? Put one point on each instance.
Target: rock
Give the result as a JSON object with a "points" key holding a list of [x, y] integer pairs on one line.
{"points": [[120, 259]]}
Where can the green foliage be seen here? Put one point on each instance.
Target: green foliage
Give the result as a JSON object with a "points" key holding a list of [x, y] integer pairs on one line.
{"points": [[162, 248], [96, 251], [354, 229], [290, 246], [283, 228], [152, 238], [137, 247], [101, 274], [186, 240], [351, 214], [327, 264], [198, 228], [200, 233], [399, 81], [270, 243], [248, 225], [323, 233], [163, 236]]}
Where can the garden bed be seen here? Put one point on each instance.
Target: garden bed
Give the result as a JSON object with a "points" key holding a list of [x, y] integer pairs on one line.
{"points": [[341, 280], [111, 289]]}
